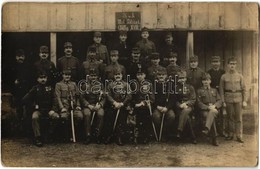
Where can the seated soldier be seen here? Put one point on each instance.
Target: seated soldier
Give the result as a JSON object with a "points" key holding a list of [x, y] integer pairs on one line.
{"points": [[42, 96], [186, 98], [155, 66], [93, 102], [173, 68], [68, 100], [209, 102]]}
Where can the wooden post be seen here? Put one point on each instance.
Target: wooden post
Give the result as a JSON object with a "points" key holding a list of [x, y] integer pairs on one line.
{"points": [[53, 47], [189, 48]]}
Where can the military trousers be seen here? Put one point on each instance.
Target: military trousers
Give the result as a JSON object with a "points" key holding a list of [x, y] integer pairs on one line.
{"points": [[36, 118], [210, 117], [143, 121]]}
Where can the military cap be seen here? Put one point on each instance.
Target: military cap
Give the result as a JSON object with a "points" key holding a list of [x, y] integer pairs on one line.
{"points": [[114, 52], [67, 44], [168, 34], [92, 49], [122, 32], [66, 71], [194, 58], [41, 74], [44, 49], [144, 29], [173, 55], [215, 58], [182, 73], [19, 52], [135, 50], [162, 71], [97, 34], [232, 59], [205, 76], [93, 72], [155, 55]]}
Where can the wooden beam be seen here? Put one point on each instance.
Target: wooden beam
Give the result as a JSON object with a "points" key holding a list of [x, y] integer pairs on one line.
{"points": [[53, 42], [189, 48]]}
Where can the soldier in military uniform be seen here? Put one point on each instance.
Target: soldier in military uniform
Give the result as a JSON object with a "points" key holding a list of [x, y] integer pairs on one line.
{"points": [[41, 96], [216, 72], [173, 68], [163, 104], [119, 97], [233, 95], [167, 49], [109, 70], [155, 66], [101, 50], [47, 66], [186, 98], [69, 62], [91, 62], [68, 99], [209, 102], [134, 64], [146, 46], [194, 73], [143, 97]]}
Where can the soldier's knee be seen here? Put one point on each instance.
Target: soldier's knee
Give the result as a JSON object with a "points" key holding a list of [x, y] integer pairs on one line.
{"points": [[53, 115], [156, 115], [64, 116], [171, 115], [101, 113], [87, 112], [78, 115]]}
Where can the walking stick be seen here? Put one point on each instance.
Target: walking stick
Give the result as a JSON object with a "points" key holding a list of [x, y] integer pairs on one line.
{"points": [[150, 111], [72, 119], [161, 129], [117, 113], [94, 113]]}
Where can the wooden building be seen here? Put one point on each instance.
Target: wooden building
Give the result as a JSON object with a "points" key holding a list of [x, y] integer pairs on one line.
{"points": [[205, 29]]}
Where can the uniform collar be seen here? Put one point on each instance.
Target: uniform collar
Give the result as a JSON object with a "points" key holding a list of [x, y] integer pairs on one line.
{"points": [[194, 69]]}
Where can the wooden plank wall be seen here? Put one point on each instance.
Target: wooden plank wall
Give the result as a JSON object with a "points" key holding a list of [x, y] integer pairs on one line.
{"points": [[55, 17]]}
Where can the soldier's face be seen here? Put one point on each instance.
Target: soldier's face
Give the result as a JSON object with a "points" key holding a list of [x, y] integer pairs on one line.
{"points": [[169, 40], [215, 64], [20, 59], [232, 65], [136, 56], [155, 61], [122, 38], [97, 39], [206, 82], [161, 77], [173, 60], [114, 58], [44, 55], [145, 34], [140, 76], [68, 50], [92, 77], [118, 76], [182, 79], [42, 79], [193, 64], [91, 55], [66, 77]]}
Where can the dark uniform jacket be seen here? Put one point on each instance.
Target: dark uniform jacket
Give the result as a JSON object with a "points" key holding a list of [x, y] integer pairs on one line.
{"points": [[132, 68], [65, 92], [185, 93], [163, 97], [206, 97], [101, 53], [41, 96], [215, 77], [146, 47], [152, 71], [124, 51], [71, 63], [194, 77], [91, 64], [165, 51], [172, 70]]}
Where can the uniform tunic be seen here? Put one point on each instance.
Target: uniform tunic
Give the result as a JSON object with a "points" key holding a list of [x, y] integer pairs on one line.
{"points": [[101, 53], [194, 77], [215, 77], [71, 63]]}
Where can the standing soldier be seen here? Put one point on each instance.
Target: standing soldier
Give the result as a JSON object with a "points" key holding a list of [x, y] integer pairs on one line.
{"points": [[118, 96], [142, 100], [66, 92], [41, 96], [186, 98], [20, 84], [146, 46], [216, 72], [109, 70], [153, 69], [209, 102], [163, 104], [47, 66], [93, 101], [134, 64], [233, 95], [101, 50], [167, 49], [69, 62], [194, 73], [173, 68]]}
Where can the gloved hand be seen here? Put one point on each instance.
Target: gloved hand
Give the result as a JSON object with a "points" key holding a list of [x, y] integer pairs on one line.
{"points": [[78, 108], [64, 110]]}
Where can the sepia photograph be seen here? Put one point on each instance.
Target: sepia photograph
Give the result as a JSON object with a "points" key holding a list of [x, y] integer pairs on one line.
{"points": [[129, 84]]}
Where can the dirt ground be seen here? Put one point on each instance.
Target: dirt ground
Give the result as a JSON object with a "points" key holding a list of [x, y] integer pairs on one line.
{"points": [[21, 153]]}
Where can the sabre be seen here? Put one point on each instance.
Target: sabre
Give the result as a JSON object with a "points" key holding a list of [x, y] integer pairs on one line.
{"points": [[117, 113], [161, 129], [150, 111], [72, 119], [94, 113]]}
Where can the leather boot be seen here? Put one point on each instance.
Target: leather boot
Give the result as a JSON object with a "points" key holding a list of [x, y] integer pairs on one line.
{"points": [[119, 141]]}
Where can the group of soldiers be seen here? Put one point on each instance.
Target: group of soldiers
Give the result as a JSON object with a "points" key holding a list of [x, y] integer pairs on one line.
{"points": [[138, 87]]}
